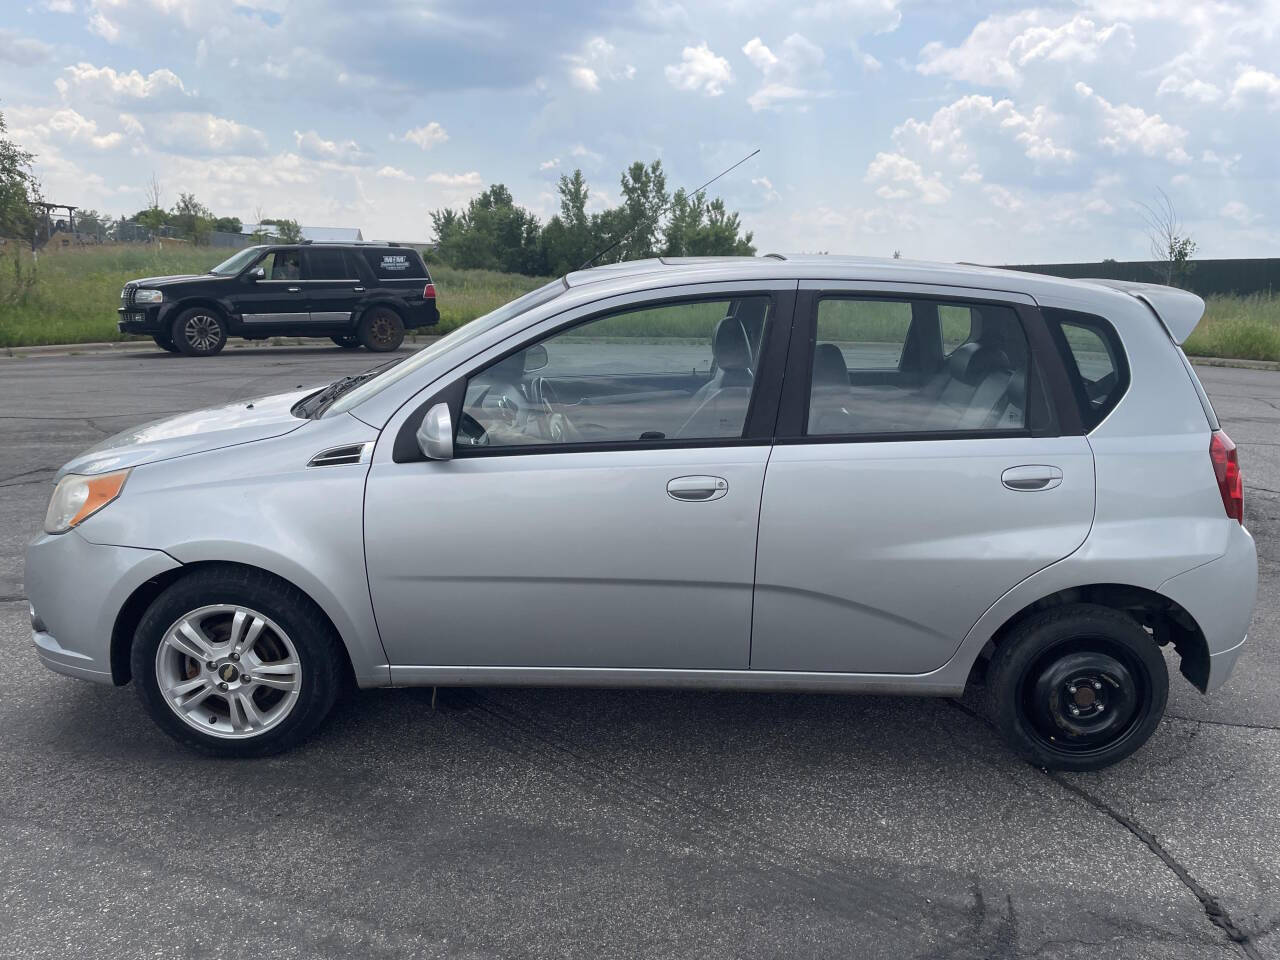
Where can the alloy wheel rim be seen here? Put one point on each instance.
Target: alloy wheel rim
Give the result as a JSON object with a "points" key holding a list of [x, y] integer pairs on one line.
{"points": [[1084, 697], [228, 671], [202, 331]]}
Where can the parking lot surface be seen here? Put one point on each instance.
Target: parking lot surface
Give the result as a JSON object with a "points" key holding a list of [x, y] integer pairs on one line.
{"points": [[563, 823]]}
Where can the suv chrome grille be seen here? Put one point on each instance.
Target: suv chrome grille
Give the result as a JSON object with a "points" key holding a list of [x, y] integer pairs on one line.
{"points": [[129, 294]]}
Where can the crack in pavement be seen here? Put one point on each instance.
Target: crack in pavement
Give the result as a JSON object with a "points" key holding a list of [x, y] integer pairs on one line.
{"points": [[1222, 723], [1213, 909]]}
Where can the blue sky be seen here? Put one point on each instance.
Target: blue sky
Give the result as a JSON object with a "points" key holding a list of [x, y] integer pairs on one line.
{"points": [[947, 130]]}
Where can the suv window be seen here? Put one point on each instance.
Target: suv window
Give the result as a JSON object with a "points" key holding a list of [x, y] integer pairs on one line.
{"points": [[329, 265], [901, 381], [679, 371], [396, 264], [1094, 360], [282, 265]]}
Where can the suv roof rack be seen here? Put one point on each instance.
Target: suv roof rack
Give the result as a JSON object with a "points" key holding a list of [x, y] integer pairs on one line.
{"points": [[341, 243], [773, 256]]}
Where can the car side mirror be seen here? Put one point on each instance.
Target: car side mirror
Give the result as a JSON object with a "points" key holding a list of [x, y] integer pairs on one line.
{"points": [[435, 435], [257, 273], [535, 358]]}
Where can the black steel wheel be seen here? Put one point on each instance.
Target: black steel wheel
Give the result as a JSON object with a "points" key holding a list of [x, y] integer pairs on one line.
{"points": [[199, 332], [381, 330], [1078, 687]]}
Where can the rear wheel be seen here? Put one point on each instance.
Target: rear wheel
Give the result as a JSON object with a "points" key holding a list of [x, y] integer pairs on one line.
{"points": [[381, 330], [164, 342], [1078, 687], [236, 663], [199, 332], [346, 342]]}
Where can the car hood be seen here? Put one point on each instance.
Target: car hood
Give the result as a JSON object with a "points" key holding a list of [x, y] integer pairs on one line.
{"points": [[197, 432], [178, 278]]}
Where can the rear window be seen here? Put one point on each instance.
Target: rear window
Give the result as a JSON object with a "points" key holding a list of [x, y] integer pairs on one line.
{"points": [[1094, 359], [328, 264], [396, 264]]}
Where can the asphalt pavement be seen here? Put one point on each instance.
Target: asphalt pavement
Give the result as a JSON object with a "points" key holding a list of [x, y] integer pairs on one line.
{"points": [[593, 824]]}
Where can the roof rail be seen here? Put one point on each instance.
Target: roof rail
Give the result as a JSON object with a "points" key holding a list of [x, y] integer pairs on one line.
{"points": [[773, 256]]}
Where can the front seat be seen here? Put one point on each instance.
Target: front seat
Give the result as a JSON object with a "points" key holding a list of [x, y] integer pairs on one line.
{"points": [[829, 399], [720, 405]]}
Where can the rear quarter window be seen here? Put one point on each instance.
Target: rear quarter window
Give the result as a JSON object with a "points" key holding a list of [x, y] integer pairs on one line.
{"points": [[396, 264], [1094, 359]]}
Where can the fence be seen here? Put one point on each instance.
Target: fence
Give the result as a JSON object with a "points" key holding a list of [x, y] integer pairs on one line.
{"points": [[1206, 278]]}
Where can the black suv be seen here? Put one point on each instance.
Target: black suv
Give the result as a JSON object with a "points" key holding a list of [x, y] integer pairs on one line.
{"points": [[356, 294]]}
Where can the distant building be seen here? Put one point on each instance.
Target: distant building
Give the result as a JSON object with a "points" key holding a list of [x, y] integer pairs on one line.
{"points": [[314, 234]]}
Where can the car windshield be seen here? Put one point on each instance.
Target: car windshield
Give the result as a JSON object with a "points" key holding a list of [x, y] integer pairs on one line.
{"points": [[370, 388], [233, 265]]}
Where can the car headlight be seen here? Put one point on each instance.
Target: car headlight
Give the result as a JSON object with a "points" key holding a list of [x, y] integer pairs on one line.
{"points": [[148, 296], [76, 499]]}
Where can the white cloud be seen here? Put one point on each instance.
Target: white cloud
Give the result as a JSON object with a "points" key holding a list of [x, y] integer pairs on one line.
{"points": [[700, 70], [1255, 86], [311, 144], [132, 125], [196, 134], [425, 137], [956, 131], [1237, 211], [1002, 47], [901, 178], [159, 90], [766, 188], [598, 58], [579, 150], [584, 78], [549, 164], [22, 51], [1128, 127], [66, 126], [1183, 84], [471, 179], [394, 173], [789, 74], [878, 16]]}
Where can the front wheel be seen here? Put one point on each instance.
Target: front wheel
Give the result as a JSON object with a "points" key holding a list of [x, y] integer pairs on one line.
{"points": [[381, 330], [1078, 687], [199, 332], [236, 663], [165, 342]]}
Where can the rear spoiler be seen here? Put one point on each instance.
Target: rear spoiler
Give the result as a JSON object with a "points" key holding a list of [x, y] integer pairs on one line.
{"points": [[1178, 310]]}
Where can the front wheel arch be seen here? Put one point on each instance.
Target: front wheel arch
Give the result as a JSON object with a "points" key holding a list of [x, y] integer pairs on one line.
{"points": [[131, 613]]}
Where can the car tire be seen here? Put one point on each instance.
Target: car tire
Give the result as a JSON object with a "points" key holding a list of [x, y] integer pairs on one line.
{"points": [[199, 332], [347, 343], [165, 342], [381, 330], [1077, 687], [271, 664]]}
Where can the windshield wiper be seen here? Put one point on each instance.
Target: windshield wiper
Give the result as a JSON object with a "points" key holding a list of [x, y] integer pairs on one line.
{"points": [[314, 405]]}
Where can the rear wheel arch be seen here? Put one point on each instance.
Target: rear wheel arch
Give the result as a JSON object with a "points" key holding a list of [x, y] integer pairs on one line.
{"points": [[134, 608], [1164, 619]]}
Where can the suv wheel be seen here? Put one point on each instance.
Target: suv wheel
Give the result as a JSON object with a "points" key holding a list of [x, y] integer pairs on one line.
{"points": [[199, 332], [236, 663], [347, 343], [165, 342], [381, 330], [1078, 687]]}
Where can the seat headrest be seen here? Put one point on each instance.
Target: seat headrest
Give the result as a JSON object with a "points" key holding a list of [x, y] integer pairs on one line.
{"points": [[973, 361], [729, 345], [829, 368]]}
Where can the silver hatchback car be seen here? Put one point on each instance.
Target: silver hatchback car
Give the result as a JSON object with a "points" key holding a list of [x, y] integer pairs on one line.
{"points": [[820, 474]]}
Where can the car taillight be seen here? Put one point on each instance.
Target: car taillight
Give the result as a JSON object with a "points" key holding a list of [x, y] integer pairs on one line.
{"points": [[1226, 467], [429, 292]]}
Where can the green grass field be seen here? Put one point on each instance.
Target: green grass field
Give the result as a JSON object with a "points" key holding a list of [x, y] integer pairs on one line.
{"points": [[76, 293]]}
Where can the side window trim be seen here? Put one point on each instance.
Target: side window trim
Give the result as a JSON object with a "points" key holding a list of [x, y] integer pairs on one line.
{"points": [[762, 411], [1051, 383]]}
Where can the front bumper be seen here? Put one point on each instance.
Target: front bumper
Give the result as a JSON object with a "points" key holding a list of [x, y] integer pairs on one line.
{"points": [[76, 590], [142, 318]]}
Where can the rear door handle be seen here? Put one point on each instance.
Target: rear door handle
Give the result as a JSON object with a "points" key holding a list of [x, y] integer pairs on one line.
{"points": [[294, 289], [1031, 477], [358, 289], [697, 489]]}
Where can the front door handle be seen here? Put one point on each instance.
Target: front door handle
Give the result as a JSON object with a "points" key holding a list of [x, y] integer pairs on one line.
{"points": [[697, 489], [294, 289], [358, 289], [1033, 476]]}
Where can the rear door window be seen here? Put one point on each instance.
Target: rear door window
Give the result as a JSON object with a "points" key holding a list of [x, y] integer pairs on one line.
{"points": [[396, 264], [329, 265], [1094, 360]]}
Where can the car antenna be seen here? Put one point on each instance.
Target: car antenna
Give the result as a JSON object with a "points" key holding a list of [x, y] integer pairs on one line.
{"points": [[661, 210]]}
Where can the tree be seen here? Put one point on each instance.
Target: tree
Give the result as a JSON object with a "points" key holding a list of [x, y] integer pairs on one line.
{"points": [[493, 233], [192, 219], [18, 189], [155, 195], [644, 199], [567, 239], [1171, 247], [700, 228], [228, 224], [286, 231]]}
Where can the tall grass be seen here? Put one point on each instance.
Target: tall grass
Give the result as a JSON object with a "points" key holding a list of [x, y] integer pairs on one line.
{"points": [[76, 292]]}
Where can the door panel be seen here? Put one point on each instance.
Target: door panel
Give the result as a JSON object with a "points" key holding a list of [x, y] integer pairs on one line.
{"points": [[333, 285], [879, 557], [278, 299], [565, 559]]}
